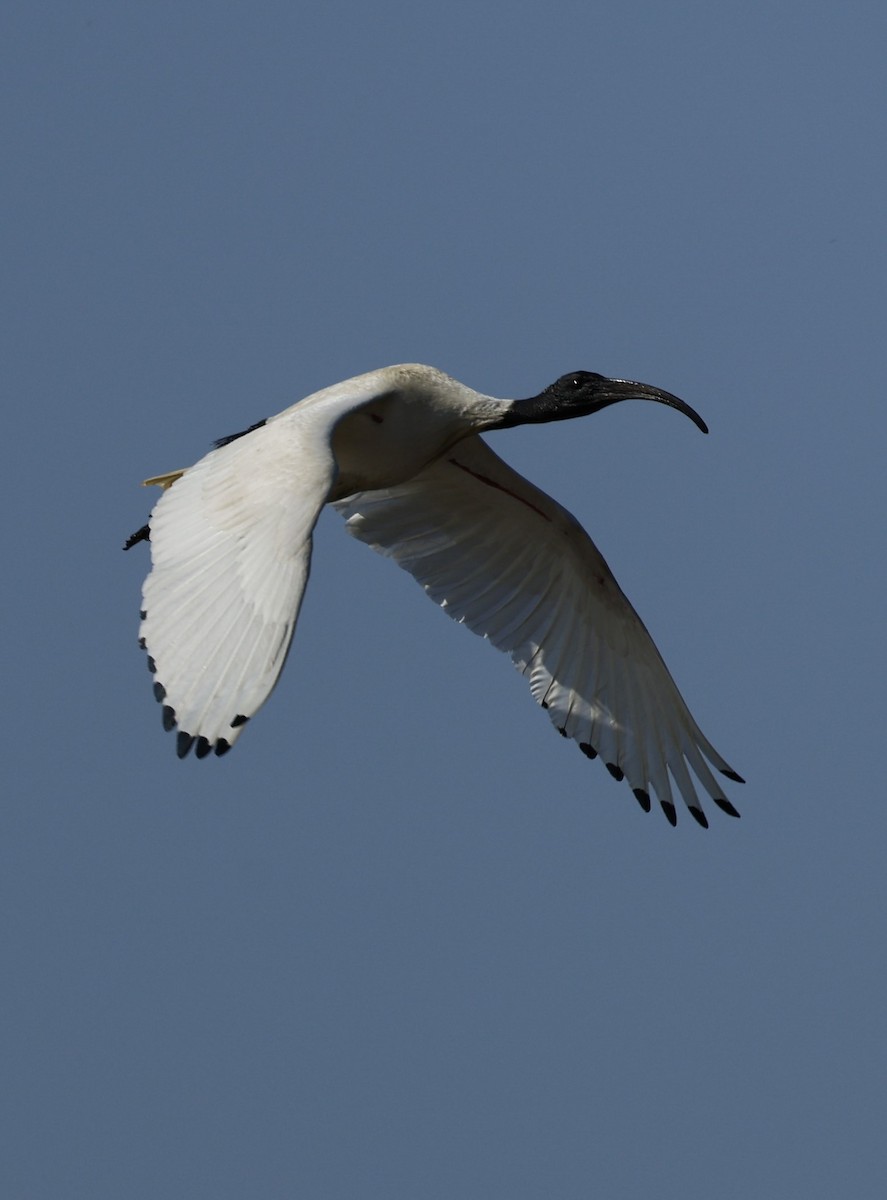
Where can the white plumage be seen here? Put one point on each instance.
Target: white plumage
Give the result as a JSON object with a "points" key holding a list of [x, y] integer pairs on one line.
{"points": [[397, 452]]}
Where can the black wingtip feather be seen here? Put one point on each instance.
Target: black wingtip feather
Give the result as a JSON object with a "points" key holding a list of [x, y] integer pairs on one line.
{"points": [[222, 747], [169, 718], [700, 817], [642, 797], [202, 748], [140, 535], [669, 810], [184, 742], [725, 806], [616, 771], [731, 774], [587, 750]]}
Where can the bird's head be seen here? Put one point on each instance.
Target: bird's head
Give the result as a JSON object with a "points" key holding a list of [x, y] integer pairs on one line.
{"points": [[584, 392]]}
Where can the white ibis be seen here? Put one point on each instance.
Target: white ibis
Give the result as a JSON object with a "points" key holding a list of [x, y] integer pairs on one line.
{"points": [[397, 451]]}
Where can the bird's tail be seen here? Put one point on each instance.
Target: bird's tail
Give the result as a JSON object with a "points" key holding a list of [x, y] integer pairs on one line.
{"points": [[163, 481]]}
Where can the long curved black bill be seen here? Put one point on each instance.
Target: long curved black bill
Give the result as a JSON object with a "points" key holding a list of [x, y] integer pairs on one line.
{"points": [[614, 390]]}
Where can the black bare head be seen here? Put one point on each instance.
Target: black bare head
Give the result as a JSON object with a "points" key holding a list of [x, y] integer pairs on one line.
{"points": [[584, 392]]}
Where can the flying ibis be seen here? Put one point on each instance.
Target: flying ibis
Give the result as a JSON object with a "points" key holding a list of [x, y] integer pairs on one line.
{"points": [[398, 453]]}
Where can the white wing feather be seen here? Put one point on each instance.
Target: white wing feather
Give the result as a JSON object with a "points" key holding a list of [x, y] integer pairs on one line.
{"points": [[506, 560], [231, 552]]}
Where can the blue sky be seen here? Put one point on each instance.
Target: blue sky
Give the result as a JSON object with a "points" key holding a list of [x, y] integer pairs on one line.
{"points": [[404, 941]]}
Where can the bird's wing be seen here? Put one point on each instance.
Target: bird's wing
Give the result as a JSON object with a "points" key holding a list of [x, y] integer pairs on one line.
{"points": [[506, 560], [231, 550]]}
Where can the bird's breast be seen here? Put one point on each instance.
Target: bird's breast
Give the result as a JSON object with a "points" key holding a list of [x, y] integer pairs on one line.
{"points": [[385, 443]]}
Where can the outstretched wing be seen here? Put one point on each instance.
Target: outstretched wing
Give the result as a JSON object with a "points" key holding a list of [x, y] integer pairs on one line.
{"points": [[231, 551], [514, 566]]}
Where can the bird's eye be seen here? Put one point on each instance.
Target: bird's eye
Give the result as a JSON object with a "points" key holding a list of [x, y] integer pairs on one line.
{"points": [[572, 381]]}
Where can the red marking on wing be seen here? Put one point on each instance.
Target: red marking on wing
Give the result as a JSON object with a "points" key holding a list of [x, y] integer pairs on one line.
{"points": [[499, 488]]}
